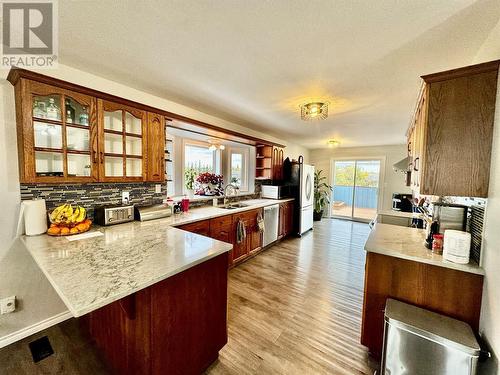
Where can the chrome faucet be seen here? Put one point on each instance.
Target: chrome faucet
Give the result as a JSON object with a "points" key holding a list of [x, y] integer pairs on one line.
{"points": [[226, 196]]}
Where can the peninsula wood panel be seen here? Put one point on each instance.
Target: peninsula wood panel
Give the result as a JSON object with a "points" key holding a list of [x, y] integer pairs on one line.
{"points": [[176, 326], [449, 292], [121, 331], [459, 136], [189, 319]]}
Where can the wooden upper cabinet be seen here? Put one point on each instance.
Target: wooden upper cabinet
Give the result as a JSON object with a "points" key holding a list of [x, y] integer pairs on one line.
{"points": [[156, 147], [122, 142], [451, 136], [57, 134], [278, 157]]}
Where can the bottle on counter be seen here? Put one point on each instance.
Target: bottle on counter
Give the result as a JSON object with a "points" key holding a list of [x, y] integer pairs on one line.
{"points": [[437, 243]]}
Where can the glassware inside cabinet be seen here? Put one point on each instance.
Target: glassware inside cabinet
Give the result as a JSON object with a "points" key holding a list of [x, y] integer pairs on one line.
{"points": [[48, 163], [76, 113], [47, 107], [47, 135]]}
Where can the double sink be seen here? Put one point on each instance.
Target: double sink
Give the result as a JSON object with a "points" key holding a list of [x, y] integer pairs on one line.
{"points": [[232, 206]]}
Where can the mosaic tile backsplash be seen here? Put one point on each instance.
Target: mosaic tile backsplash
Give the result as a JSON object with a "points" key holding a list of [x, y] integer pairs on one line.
{"points": [[91, 195]]}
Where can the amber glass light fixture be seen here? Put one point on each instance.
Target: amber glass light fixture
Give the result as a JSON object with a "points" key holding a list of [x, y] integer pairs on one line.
{"points": [[314, 111], [333, 143]]}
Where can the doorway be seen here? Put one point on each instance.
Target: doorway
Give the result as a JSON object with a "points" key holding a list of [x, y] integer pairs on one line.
{"points": [[356, 188]]}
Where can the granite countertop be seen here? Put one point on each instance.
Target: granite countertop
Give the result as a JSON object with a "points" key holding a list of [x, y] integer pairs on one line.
{"points": [[408, 215], [408, 243], [209, 212], [90, 273]]}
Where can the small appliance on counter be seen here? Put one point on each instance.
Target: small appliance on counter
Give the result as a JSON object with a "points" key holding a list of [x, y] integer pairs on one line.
{"points": [[275, 191], [151, 212], [450, 216], [402, 202], [114, 214], [456, 246]]}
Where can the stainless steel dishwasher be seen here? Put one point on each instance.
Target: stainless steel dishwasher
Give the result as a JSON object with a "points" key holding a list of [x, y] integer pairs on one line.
{"points": [[271, 219], [420, 342]]}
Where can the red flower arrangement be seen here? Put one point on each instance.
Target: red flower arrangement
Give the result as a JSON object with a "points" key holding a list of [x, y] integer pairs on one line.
{"points": [[209, 184], [209, 178]]}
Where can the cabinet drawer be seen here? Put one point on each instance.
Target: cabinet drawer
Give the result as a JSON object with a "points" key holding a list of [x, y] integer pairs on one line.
{"points": [[199, 227], [221, 228]]}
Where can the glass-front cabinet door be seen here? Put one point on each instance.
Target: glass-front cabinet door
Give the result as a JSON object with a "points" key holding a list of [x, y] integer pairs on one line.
{"points": [[122, 142], [60, 137]]}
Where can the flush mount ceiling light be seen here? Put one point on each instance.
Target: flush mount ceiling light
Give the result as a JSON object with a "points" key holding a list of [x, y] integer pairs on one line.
{"points": [[314, 111], [333, 143]]}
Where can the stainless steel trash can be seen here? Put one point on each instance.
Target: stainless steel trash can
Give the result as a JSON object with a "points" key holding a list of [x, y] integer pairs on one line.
{"points": [[420, 342]]}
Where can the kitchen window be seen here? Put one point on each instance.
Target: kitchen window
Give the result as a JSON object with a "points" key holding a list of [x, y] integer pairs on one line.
{"points": [[238, 168], [199, 158]]}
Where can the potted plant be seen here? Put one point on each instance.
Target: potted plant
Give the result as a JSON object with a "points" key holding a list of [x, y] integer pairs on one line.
{"points": [[321, 194], [189, 178]]}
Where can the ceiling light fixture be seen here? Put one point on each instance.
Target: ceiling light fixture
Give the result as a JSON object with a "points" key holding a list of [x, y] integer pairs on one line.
{"points": [[212, 147], [222, 147], [333, 143], [314, 111]]}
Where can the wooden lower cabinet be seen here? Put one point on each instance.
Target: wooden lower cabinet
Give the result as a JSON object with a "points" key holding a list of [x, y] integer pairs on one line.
{"points": [[442, 290], [176, 326], [199, 227], [253, 241], [224, 228], [285, 226]]}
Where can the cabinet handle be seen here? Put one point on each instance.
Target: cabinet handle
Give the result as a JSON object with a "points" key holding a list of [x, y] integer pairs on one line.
{"points": [[415, 164], [102, 157], [94, 153]]}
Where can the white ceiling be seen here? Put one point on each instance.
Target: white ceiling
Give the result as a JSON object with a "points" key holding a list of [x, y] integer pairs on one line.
{"points": [[253, 62]]}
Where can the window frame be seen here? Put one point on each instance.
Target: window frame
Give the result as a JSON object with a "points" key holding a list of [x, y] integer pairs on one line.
{"points": [[245, 171], [201, 144]]}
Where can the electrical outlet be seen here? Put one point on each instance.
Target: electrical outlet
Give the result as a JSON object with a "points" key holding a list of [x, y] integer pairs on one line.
{"points": [[125, 197], [7, 305], [158, 189]]}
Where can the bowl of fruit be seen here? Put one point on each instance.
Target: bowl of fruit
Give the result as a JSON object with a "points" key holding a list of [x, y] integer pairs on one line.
{"points": [[66, 220]]}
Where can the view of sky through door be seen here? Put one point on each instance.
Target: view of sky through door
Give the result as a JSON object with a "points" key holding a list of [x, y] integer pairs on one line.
{"points": [[355, 188]]}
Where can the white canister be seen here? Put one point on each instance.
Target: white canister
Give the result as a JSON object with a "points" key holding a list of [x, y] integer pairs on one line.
{"points": [[456, 246], [35, 216]]}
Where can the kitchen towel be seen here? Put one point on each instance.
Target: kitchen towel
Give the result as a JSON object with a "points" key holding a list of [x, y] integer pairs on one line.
{"points": [[34, 213], [241, 232], [260, 223]]}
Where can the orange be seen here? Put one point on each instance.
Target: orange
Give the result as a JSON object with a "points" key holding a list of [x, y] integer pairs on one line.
{"points": [[64, 230]]}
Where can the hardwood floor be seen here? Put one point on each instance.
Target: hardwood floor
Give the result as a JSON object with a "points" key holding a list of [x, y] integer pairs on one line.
{"points": [[296, 308], [293, 309]]}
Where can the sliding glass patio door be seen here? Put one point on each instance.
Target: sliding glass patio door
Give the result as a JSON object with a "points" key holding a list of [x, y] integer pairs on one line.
{"points": [[355, 189]]}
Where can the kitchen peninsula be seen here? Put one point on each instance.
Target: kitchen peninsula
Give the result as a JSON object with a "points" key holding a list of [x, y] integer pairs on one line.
{"points": [[129, 286], [399, 266]]}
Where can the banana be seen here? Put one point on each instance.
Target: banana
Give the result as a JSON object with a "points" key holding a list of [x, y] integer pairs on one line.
{"points": [[73, 218], [66, 214], [82, 215], [55, 213]]}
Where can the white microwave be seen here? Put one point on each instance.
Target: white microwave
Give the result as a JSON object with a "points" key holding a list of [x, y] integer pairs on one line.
{"points": [[275, 191]]}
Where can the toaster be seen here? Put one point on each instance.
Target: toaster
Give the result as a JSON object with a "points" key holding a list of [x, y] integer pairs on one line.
{"points": [[116, 214]]}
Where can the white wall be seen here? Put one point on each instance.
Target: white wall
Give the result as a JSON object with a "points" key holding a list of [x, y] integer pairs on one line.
{"points": [[489, 325], [393, 182]]}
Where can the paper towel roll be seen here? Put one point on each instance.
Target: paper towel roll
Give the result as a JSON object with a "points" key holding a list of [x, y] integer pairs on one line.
{"points": [[35, 216]]}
